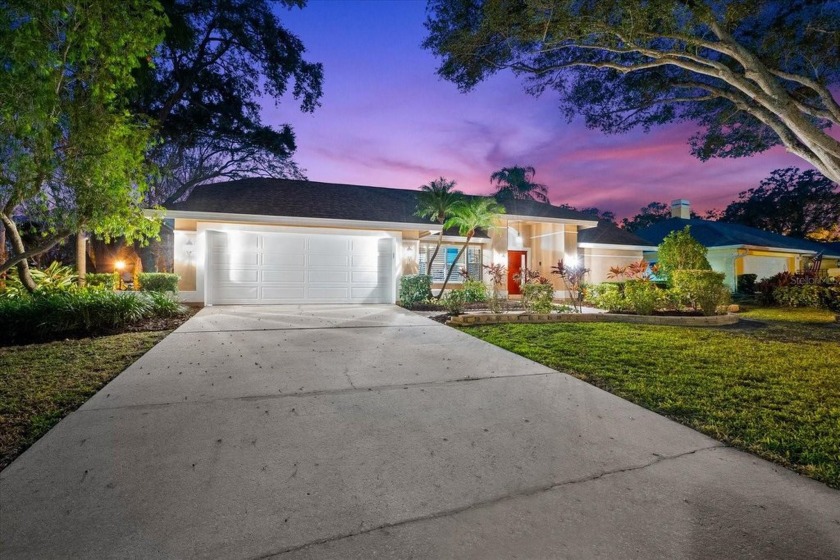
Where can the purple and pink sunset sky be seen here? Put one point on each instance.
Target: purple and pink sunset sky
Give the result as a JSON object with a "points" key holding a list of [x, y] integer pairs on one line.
{"points": [[387, 120]]}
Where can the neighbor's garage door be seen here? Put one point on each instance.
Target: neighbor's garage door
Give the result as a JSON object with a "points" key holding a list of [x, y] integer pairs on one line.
{"points": [[253, 267]]}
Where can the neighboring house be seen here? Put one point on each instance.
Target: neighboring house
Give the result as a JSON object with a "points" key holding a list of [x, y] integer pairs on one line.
{"points": [[736, 249], [608, 246], [285, 241]]}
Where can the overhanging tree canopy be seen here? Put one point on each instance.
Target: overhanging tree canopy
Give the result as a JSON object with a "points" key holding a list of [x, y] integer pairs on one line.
{"points": [[205, 87], [72, 156], [752, 74]]}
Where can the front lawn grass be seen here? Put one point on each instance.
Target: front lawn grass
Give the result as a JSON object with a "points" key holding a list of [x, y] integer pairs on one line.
{"points": [[770, 385], [41, 383]]}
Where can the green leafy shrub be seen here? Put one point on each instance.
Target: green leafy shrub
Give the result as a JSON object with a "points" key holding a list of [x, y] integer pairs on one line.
{"points": [[164, 305], [46, 316], [453, 301], [415, 288], [642, 296], [158, 282], [607, 295], [745, 283], [54, 279], [701, 289], [106, 280], [475, 291], [538, 298], [680, 251], [808, 295]]}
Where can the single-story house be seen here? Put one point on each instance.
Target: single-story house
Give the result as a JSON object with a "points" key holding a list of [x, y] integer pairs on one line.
{"points": [[263, 240], [735, 249], [608, 246]]}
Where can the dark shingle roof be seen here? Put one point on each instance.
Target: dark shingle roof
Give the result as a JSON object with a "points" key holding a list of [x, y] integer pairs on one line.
{"points": [[311, 199], [721, 234], [608, 233]]}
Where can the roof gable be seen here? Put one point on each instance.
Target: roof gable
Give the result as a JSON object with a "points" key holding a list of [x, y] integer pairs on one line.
{"points": [[608, 233]]}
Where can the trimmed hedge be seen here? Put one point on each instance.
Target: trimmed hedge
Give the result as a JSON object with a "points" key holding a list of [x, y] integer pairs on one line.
{"points": [[158, 282], [107, 280], [809, 295], [86, 312]]}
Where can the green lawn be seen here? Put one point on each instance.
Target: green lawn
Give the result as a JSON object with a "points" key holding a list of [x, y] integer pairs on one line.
{"points": [[41, 383], [770, 385]]}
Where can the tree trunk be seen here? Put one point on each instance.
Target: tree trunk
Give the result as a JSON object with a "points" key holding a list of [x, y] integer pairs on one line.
{"points": [[18, 249], [81, 257], [435, 254], [449, 274]]}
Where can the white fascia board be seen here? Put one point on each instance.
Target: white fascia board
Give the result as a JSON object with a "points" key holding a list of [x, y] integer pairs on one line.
{"points": [[764, 248], [517, 218], [289, 220], [586, 245]]}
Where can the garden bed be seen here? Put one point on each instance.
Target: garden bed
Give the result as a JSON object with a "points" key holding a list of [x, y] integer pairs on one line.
{"points": [[683, 320]]}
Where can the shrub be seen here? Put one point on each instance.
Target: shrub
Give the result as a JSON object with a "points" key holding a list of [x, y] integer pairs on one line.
{"points": [[453, 301], [158, 282], [164, 305], [745, 283], [642, 296], [701, 289], [415, 288], [680, 251], [45, 316], [538, 298], [808, 295], [107, 280], [54, 279], [607, 296], [474, 291]]}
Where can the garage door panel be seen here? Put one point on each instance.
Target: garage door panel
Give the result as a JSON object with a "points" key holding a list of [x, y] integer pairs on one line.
{"points": [[327, 276], [287, 276], [284, 260], [237, 292], [299, 268], [283, 293], [328, 245]]}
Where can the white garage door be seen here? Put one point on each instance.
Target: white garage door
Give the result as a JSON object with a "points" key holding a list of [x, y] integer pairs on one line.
{"points": [[254, 267]]}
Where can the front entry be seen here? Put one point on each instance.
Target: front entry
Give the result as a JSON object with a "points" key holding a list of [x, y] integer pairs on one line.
{"points": [[517, 260]]}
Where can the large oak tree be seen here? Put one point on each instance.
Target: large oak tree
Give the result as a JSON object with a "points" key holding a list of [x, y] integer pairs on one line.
{"points": [[752, 74]]}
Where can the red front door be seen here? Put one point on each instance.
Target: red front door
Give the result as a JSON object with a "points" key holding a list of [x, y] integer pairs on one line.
{"points": [[517, 260]]}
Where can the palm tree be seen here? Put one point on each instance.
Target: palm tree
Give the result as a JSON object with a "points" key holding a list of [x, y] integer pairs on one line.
{"points": [[468, 216], [435, 202], [517, 183]]}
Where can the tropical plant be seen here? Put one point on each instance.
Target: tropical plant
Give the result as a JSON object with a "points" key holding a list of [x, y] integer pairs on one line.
{"points": [[572, 276], [607, 296], [436, 201], [630, 271], [498, 275], [751, 74], [517, 183], [680, 251], [642, 296], [474, 291], [470, 215]]}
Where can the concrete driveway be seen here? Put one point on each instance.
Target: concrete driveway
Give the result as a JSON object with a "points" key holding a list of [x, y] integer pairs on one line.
{"points": [[367, 431]]}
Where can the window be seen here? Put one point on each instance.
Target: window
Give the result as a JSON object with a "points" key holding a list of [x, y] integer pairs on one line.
{"points": [[445, 260]]}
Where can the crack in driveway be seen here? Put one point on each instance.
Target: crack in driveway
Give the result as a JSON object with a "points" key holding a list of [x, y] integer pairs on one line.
{"points": [[486, 503], [319, 393]]}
